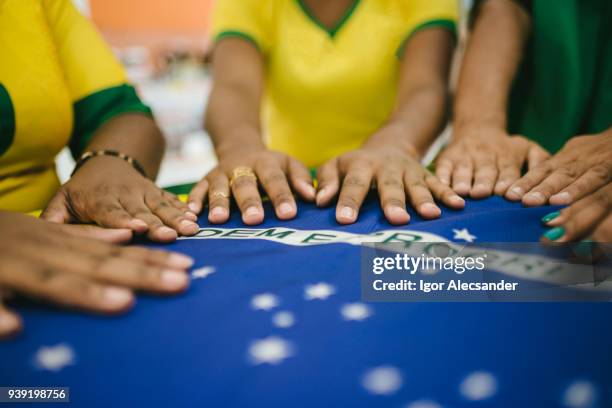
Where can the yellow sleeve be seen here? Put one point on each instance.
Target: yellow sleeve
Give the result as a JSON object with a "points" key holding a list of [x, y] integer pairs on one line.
{"points": [[423, 14], [248, 19], [96, 80]]}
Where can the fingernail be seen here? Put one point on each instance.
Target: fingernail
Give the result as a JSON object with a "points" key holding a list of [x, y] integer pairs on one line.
{"points": [[561, 198], [166, 231], [191, 216], [218, 212], [502, 185], [535, 197], [174, 279], [550, 216], [193, 207], [584, 248], [188, 226], [136, 223], [430, 209], [457, 200], [347, 212], [462, 187], [117, 297], [396, 211], [515, 193], [554, 234], [285, 209], [179, 261], [321, 195], [251, 212]]}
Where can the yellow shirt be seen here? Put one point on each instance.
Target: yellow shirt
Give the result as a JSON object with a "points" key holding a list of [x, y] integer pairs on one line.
{"points": [[58, 83], [328, 90]]}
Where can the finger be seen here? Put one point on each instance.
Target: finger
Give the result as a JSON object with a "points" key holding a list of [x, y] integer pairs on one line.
{"points": [[533, 177], [444, 170], [355, 187], [509, 173], [114, 236], [114, 269], [10, 323], [196, 196], [169, 215], [392, 195], [245, 192], [580, 219], [484, 177], [420, 196], [462, 177], [590, 181], [552, 184], [218, 198], [157, 231], [179, 205], [301, 180], [57, 210], [275, 184], [328, 177], [173, 260], [603, 233], [536, 155], [41, 281], [444, 193], [111, 214]]}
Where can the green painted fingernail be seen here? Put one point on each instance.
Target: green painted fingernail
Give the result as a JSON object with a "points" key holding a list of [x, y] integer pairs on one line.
{"points": [[554, 234], [550, 216], [584, 248]]}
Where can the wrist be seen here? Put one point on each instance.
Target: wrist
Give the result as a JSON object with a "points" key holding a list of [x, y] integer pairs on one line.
{"points": [[103, 164], [395, 135]]}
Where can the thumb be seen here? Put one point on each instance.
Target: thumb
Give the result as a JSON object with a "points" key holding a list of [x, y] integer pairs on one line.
{"points": [[57, 210]]}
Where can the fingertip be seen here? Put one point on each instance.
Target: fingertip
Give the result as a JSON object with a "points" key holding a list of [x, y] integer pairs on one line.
{"points": [[191, 216], [462, 188], [500, 188], [188, 227], [180, 261], [174, 281], [286, 211], [514, 193], [253, 216], [429, 210], [533, 199], [163, 234], [456, 202], [117, 299], [346, 215], [195, 206], [218, 215], [397, 215], [563, 198], [480, 191], [138, 225], [10, 324]]}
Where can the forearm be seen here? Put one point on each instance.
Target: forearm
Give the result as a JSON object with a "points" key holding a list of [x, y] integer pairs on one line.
{"points": [[419, 117], [422, 98], [133, 134], [232, 118], [490, 63]]}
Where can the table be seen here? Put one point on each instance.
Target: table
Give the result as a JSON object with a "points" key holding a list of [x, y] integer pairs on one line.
{"points": [[270, 322]]}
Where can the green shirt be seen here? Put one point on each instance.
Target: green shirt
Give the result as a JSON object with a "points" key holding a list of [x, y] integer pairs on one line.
{"points": [[564, 84]]}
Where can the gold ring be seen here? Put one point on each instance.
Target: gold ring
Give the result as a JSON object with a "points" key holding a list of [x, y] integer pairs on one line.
{"points": [[219, 194], [242, 171]]}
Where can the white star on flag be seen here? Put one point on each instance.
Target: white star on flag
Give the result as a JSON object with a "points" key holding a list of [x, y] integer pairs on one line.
{"points": [[54, 358], [464, 234], [355, 311], [478, 386], [383, 380], [264, 301], [283, 320], [319, 290], [203, 272], [271, 350]]}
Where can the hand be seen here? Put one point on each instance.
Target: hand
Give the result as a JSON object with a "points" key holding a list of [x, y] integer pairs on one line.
{"points": [[107, 191], [396, 174], [580, 168], [481, 161], [276, 173], [590, 216], [62, 265]]}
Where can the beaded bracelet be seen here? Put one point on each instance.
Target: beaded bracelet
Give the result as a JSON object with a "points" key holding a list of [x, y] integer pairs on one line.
{"points": [[95, 153]]}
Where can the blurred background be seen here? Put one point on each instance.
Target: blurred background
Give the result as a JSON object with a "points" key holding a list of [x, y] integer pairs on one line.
{"points": [[164, 47]]}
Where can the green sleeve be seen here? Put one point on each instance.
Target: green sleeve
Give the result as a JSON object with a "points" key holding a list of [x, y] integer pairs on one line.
{"points": [[92, 111]]}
